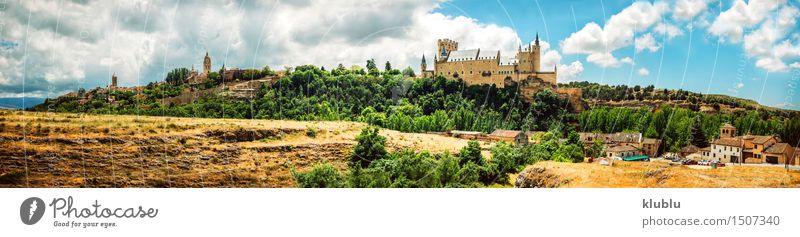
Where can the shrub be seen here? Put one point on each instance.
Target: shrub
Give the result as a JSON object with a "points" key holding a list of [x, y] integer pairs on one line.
{"points": [[311, 132], [471, 153], [320, 176], [370, 147]]}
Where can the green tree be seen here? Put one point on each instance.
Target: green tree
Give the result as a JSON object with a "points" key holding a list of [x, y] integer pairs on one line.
{"points": [[791, 131], [698, 135], [409, 72], [388, 66], [371, 146], [471, 153]]}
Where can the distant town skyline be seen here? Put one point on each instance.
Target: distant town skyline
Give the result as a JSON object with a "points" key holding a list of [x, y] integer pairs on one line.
{"points": [[747, 49]]}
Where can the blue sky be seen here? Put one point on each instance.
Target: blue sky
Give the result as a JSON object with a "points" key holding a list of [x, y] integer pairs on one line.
{"points": [[693, 53], [48, 48]]}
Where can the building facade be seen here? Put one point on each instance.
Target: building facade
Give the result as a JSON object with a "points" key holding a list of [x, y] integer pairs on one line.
{"points": [[727, 150]]}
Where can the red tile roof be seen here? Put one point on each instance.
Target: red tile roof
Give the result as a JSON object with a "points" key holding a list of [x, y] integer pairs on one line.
{"points": [[735, 142], [778, 148], [505, 133]]}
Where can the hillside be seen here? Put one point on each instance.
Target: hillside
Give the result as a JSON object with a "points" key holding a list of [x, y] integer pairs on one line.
{"points": [[71, 150], [649, 96]]}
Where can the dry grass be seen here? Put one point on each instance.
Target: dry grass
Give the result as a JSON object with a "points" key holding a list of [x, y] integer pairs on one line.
{"points": [[71, 150], [660, 174]]}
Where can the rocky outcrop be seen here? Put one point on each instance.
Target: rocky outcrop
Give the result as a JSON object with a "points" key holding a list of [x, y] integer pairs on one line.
{"points": [[538, 177]]}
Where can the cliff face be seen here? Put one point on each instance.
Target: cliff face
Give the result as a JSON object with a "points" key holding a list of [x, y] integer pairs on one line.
{"points": [[532, 85]]}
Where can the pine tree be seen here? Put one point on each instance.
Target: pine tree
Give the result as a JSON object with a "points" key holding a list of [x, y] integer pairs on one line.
{"points": [[698, 135]]}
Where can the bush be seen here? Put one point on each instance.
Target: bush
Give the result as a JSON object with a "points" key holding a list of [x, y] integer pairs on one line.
{"points": [[370, 147], [311, 132], [320, 176], [471, 153]]}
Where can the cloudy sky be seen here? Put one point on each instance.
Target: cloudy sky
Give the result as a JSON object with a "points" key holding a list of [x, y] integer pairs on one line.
{"points": [[748, 49]]}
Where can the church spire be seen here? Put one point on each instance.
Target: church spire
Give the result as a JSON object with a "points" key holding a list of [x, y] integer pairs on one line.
{"points": [[537, 38]]}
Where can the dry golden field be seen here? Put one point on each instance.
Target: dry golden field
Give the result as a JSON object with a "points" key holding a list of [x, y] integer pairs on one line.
{"points": [[72, 150], [662, 174]]}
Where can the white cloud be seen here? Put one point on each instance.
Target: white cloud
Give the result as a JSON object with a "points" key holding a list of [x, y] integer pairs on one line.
{"points": [[761, 43], [603, 60], [795, 65], [671, 31], [687, 9], [571, 72], [646, 42], [626, 60], [643, 72], [739, 85], [731, 23], [94, 41], [549, 57], [618, 32]]}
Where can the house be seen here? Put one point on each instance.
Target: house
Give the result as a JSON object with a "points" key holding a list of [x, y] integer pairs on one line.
{"points": [[517, 137], [705, 153], [755, 147], [727, 150], [623, 151], [796, 159], [778, 153], [646, 146], [650, 146], [688, 150]]}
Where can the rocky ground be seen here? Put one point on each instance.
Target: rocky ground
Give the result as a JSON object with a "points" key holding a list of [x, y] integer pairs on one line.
{"points": [[71, 150]]}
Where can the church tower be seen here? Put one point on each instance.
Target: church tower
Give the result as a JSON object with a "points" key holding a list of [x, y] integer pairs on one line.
{"points": [[206, 64], [113, 80], [423, 66], [727, 131]]}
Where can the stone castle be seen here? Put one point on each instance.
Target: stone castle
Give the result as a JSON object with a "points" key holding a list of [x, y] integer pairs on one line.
{"points": [[487, 66]]}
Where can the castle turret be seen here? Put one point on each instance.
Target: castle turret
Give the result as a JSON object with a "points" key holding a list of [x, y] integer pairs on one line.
{"points": [[535, 51], [445, 46]]}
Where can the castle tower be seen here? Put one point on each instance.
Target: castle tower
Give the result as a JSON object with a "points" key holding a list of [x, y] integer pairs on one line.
{"points": [[536, 55], [528, 58], [423, 66], [113, 80], [727, 131], [445, 46], [206, 64]]}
